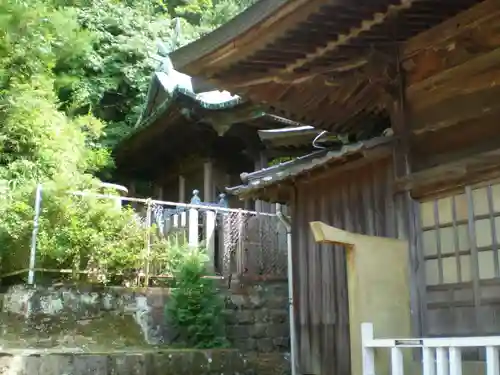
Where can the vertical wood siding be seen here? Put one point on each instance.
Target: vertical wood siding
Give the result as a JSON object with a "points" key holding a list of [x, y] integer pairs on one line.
{"points": [[361, 201]]}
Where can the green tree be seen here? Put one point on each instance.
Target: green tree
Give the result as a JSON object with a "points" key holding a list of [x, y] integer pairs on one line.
{"points": [[196, 308], [39, 143], [112, 78], [73, 78]]}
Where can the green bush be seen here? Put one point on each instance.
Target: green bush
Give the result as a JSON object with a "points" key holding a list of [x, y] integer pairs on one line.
{"points": [[195, 308], [77, 233]]}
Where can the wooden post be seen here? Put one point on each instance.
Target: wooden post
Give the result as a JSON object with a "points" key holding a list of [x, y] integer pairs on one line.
{"points": [[261, 163], [407, 209], [492, 361], [147, 243], [132, 192], [210, 238], [428, 361], [159, 192], [240, 267], [368, 355], [455, 356], [247, 204], [182, 189], [193, 228], [208, 182], [131, 188], [441, 361]]}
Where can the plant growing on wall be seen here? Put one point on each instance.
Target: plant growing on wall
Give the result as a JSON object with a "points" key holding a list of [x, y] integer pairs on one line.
{"points": [[195, 308]]}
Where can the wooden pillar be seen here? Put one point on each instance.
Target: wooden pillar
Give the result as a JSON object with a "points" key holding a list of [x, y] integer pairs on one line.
{"points": [[407, 210], [182, 189], [261, 163], [208, 182], [132, 192], [247, 204], [131, 188], [158, 192]]}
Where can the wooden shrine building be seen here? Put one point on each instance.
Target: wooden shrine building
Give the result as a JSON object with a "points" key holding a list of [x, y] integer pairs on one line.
{"points": [[187, 141], [427, 70]]}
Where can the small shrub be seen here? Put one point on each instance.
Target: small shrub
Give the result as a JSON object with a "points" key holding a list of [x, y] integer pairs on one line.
{"points": [[195, 309]]}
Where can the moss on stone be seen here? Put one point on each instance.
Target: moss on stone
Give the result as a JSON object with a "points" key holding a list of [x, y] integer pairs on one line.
{"points": [[105, 332]]}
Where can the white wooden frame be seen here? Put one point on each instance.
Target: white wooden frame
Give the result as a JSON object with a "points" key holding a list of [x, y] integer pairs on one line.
{"points": [[441, 356]]}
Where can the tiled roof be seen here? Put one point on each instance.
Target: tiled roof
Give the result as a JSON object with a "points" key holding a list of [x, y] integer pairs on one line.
{"points": [[252, 182]]}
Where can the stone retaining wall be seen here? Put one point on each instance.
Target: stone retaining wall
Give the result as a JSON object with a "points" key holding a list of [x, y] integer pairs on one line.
{"points": [[256, 315], [80, 302], [167, 362], [257, 318]]}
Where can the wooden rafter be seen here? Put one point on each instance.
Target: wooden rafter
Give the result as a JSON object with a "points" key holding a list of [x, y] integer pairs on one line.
{"points": [[367, 25], [280, 76], [292, 13], [365, 62]]}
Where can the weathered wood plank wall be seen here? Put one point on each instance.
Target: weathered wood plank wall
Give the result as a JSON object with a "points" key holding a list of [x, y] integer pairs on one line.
{"points": [[453, 85], [361, 201]]}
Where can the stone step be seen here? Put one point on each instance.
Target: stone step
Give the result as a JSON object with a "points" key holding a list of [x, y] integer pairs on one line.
{"points": [[164, 362]]}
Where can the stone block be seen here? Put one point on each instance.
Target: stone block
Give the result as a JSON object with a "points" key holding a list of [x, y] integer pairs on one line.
{"points": [[265, 345], [246, 346], [255, 301], [89, 365], [262, 316], [276, 303], [239, 301], [157, 297], [168, 362], [245, 317], [230, 317], [239, 332], [278, 330], [278, 316], [258, 331], [269, 364], [281, 344]]}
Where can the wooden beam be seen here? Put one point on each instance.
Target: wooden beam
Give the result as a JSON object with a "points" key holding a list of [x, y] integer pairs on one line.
{"points": [[292, 13], [293, 78], [450, 28], [344, 39], [455, 110], [291, 152], [476, 75], [375, 153], [479, 63], [477, 164], [365, 60]]}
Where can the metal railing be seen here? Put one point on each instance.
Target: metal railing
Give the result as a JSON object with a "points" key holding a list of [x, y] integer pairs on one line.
{"points": [[440, 356], [238, 242]]}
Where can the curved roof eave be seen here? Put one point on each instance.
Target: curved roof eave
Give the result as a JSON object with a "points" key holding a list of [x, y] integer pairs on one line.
{"points": [[176, 94], [227, 33]]}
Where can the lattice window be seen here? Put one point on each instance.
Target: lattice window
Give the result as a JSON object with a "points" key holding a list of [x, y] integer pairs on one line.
{"points": [[460, 252]]}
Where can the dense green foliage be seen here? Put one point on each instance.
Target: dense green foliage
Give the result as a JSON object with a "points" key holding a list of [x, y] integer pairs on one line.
{"points": [[73, 79], [195, 308]]}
